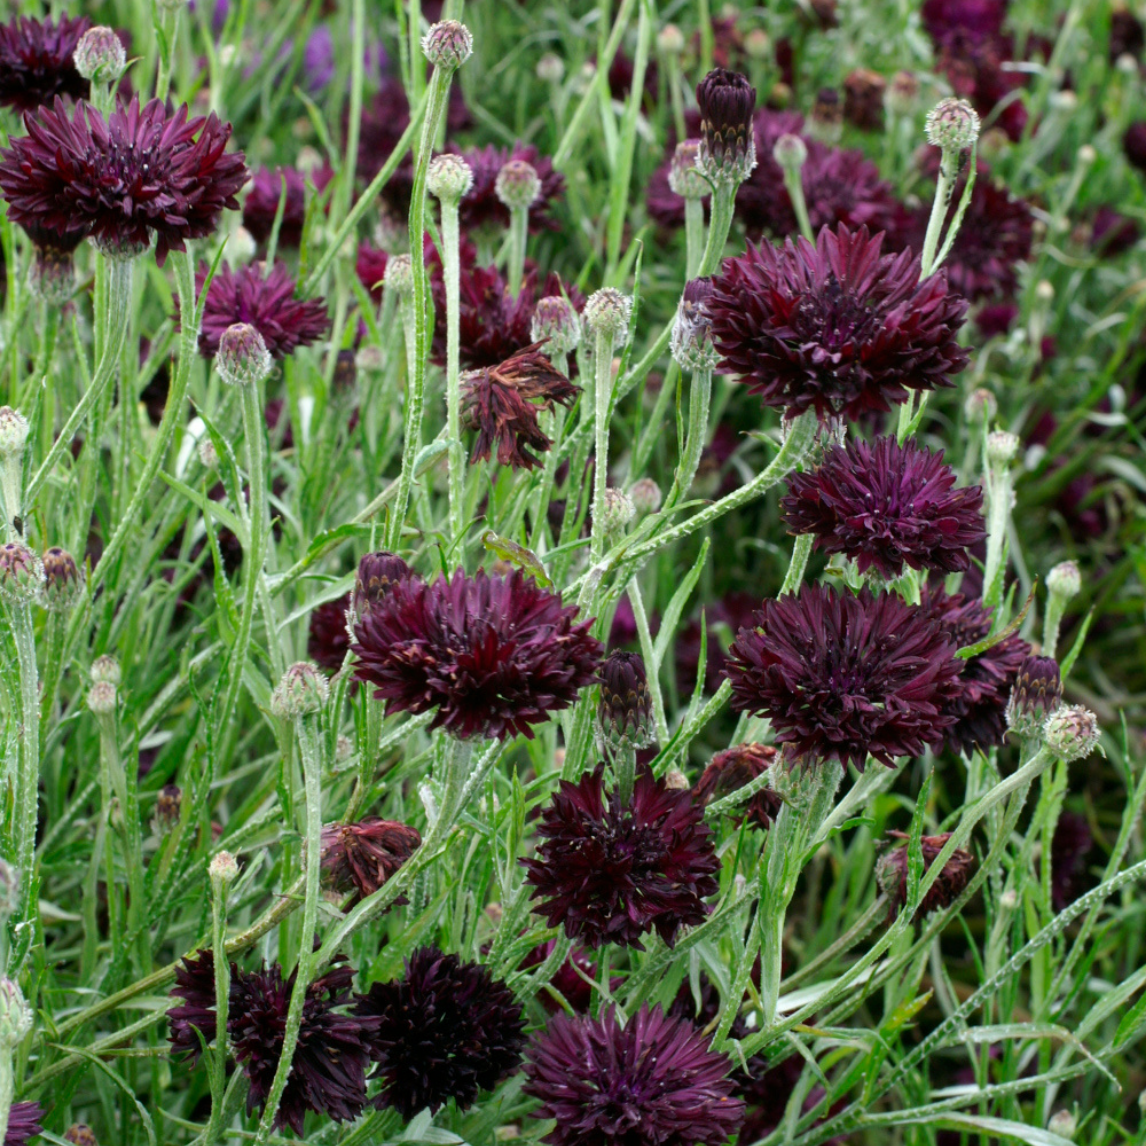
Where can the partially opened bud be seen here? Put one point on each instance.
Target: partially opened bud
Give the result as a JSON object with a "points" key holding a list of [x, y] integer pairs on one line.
{"points": [[953, 125], [685, 176], [400, 274], [63, 581], [168, 808], [377, 572], [619, 511], [727, 140], [670, 40], [448, 44], [81, 1134], [1071, 732], [624, 712], [1036, 693], [100, 56], [556, 323], [891, 872], [223, 869], [645, 495], [243, 358], [691, 342], [21, 573]]}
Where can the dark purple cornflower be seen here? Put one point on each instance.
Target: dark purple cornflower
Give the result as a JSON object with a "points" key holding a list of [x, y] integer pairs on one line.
{"points": [[263, 300], [493, 655], [480, 206], [361, 857], [195, 986], [729, 771], [327, 641], [142, 173], [262, 204], [23, 1123], [573, 980], [446, 1029], [953, 879], [845, 676], [36, 62], [1134, 144], [979, 20], [977, 707], [1071, 843], [836, 327], [885, 506], [370, 266], [328, 1072], [1112, 234], [610, 873], [653, 1082], [502, 404]]}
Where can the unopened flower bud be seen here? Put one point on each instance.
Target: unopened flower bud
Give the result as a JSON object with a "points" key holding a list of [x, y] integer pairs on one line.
{"points": [[981, 406], [1009, 900], [21, 573], [1064, 580], [1036, 693], [517, 185], [607, 312], [301, 691], [208, 455], [243, 358], [168, 808], [556, 323], [685, 177], [902, 93], [619, 511], [691, 341], [15, 1015], [624, 711], [1044, 291], [63, 581], [864, 92], [551, 68], [223, 869], [670, 40], [757, 44], [952, 124], [1063, 1123], [400, 274], [676, 780], [1071, 732], [13, 432], [646, 496], [103, 698], [1002, 446], [100, 56], [727, 140], [53, 274], [826, 123], [1087, 155], [448, 44], [241, 248], [790, 151], [81, 1134], [377, 572], [106, 668], [9, 889], [449, 177]]}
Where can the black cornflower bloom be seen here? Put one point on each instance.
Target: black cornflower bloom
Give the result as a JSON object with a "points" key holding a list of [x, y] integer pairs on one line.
{"points": [[142, 173], [328, 641], [36, 63], [195, 985], [977, 707], [446, 1029], [610, 873], [262, 204], [729, 771], [892, 874], [503, 403], [263, 300], [843, 676], [361, 857], [494, 655], [835, 327], [328, 1073], [23, 1123], [653, 1082], [885, 506]]}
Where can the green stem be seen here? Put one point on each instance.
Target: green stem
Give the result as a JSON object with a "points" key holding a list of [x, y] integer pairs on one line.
{"points": [[699, 397], [113, 322], [625, 769], [794, 184], [166, 31], [801, 550], [308, 740], [28, 772], [518, 237], [944, 185], [719, 224], [7, 1089], [1000, 485], [412, 437], [222, 999], [694, 236], [451, 273], [602, 411]]}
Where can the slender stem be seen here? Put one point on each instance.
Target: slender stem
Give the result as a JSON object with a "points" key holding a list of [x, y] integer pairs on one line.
{"points": [[415, 399], [699, 397], [694, 236], [167, 30], [114, 321], [719, 224], [796, 566], [7, 1089], [518, 237], [308, 740], [998, 521], [794, 184], [625, 769], [602, 411], [451, 274], [222, 999], [28, 771]]}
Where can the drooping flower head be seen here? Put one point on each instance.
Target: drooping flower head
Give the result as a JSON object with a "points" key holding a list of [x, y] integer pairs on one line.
{"points": [[481, 207], [502, 404], [492, 655], [730, 770], [328, 1072], [36, 61], [446, 1029], [653, 1082], [139, 175], [610, 872], [836, 327], [953, 879], [885, 506], [977, 708], [264, 300], [843, 676], [361, 857]]}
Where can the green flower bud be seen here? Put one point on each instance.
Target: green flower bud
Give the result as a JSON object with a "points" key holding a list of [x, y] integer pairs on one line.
{"points": [[106, 668], [517, 185], [952, 124], [243, 358], [448, 44], [1071, 732], [449, 177], [302, 691], [15, 1015], [100, 56], [608, 312]]}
